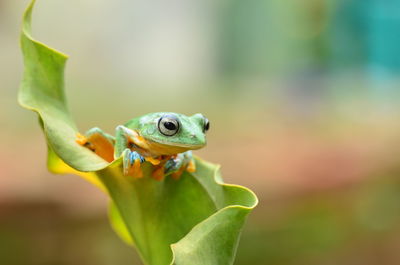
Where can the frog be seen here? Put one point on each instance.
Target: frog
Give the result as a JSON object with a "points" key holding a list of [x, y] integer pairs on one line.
{"points": [[165, 139]]}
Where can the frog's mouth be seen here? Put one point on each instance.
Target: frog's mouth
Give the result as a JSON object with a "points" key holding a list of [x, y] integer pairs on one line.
{"points": [[180, 145], [162, 148], [169, 148]]}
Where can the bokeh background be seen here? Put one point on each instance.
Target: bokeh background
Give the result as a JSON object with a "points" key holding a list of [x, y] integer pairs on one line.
{"points": [[303, 99]]}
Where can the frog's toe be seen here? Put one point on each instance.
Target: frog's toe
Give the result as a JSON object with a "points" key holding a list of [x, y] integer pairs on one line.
{"points": [[80, 139], [158, 173], [171, 166], [133, 156], [135, 170], [177, 174], [191, 167], [131, 163]]}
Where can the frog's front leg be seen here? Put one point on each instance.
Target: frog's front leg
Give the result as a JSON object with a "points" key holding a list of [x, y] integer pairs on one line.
{"points": [[175, 166], [131, 159]]}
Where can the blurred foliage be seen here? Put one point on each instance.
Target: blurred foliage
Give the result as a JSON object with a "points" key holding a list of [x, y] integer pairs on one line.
{"points": [[41, 233], [352, 225]]}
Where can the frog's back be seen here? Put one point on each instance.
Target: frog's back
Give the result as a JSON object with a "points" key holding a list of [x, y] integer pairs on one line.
{"points": [[133, 123], [138, 122]]}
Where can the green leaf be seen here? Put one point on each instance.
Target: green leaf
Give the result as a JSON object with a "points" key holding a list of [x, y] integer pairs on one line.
{"points": [[194, 220], [202, 216], [42, 90]]}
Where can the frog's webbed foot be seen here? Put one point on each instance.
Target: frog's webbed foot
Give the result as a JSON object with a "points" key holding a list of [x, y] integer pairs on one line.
{"points": [[174, 166], [131, 163], [98, 142], [177, 165]]}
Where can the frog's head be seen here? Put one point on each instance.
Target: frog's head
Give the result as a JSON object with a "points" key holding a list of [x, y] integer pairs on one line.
{"points": [[174, 130]]}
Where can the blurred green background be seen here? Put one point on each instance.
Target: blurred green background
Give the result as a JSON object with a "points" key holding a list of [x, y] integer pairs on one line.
{"points": [[303, 99]]}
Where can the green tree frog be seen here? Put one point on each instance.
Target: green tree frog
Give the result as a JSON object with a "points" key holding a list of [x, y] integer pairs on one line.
{"points": [[164, 139]]}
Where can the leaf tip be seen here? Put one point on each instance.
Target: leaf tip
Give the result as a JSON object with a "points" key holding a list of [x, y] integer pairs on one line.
{"points": [[26, 31]]}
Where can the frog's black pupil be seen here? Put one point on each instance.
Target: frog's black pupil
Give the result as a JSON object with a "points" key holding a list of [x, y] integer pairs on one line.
{"points": [[207, 126], [170, 125]]}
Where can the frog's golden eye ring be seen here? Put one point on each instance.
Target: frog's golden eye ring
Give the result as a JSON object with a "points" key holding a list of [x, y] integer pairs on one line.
{"points": [[168, 125], [206, 124]]}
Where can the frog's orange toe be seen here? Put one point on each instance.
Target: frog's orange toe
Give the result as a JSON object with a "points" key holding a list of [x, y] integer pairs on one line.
{"points": [[80, 139], [191, 167], [135, 170], [158, 174], [177, 175], [153, 161]]}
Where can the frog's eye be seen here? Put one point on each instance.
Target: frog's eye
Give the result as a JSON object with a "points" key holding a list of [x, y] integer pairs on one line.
{"points": [[168, 125], [206, 125]]}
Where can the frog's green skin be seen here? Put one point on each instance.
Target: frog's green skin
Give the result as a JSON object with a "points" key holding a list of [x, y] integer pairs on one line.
{"points": [[148, 138]]}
